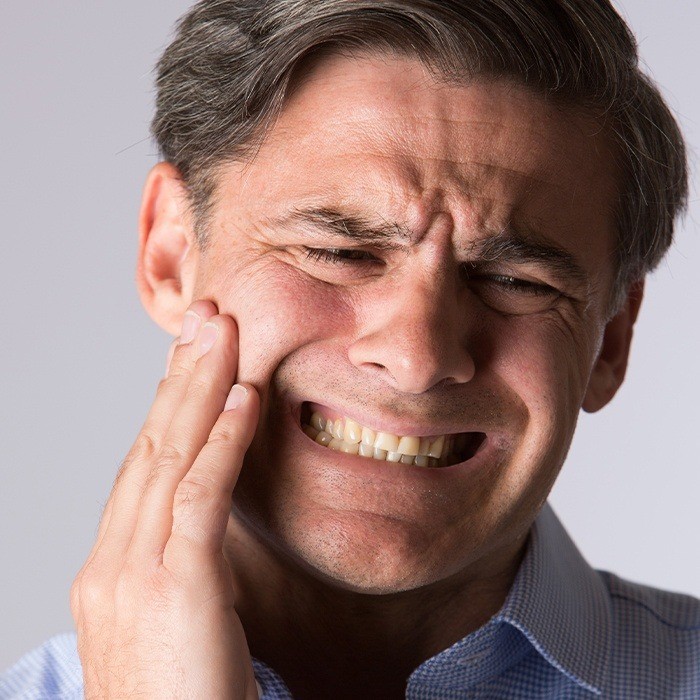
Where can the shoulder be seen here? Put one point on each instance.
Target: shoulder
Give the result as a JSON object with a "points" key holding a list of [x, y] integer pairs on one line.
{"points": [[50, 671], [656, 634]]}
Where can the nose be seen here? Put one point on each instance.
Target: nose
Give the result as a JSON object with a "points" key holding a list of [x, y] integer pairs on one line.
{"points": [[417, 338]]}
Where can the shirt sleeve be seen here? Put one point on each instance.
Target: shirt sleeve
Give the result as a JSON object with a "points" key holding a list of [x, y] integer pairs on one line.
{"points": [[51, 672]]}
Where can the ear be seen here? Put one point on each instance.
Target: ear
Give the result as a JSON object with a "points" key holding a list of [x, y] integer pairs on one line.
{"points": [[609, 370], [167, 258]]}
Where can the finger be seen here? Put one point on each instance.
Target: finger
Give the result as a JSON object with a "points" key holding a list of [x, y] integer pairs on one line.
{"points": [[171, 352], [187, 434], [202, 501], [121, 513]]}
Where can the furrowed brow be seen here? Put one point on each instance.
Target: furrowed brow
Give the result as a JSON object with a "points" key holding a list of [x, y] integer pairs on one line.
{"points": [[511, 246], [355, 228]]}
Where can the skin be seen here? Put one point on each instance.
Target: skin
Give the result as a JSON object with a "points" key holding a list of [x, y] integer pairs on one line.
{"points": [[404, 561]]}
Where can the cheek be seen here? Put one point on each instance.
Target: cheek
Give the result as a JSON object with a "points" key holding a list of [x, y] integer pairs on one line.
{"points": [[280, 310], [539, 361], [546, 363]]}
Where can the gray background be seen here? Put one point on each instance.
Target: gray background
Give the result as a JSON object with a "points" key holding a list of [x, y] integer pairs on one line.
{"points": [[80, 359]]}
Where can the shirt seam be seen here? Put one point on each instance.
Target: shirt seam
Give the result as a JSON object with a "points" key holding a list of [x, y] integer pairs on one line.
{"points": [[656, 614]]}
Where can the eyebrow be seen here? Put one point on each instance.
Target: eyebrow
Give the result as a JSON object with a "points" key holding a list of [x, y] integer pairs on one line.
{"points": [[355, 228], [511, 244]]}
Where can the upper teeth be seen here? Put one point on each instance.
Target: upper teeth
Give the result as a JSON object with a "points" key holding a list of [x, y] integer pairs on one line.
{"points": [[347, 435]]}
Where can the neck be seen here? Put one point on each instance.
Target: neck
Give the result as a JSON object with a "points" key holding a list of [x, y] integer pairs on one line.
{"points": [[297, 622]]}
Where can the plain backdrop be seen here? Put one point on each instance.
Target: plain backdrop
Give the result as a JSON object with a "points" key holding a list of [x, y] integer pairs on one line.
{"points": [[80, 359]]}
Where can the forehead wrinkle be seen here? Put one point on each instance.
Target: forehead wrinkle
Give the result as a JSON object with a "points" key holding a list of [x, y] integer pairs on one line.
{"points": [[406, 164], [465, 127]]}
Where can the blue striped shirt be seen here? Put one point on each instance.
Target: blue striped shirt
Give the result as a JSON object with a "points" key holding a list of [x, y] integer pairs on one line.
{"points": [[564, 631]]}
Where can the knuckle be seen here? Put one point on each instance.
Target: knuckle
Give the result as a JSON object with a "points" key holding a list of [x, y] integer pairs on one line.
{"points": [[191, 534], [227, 436], [145, 447], [169, 459], [89, 593], [121, 472], [192, 491], [181, 364], [170, 453], [200, 386]]}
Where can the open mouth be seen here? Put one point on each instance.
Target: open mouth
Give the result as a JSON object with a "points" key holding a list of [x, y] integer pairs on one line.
{"points": [[346, 435]]}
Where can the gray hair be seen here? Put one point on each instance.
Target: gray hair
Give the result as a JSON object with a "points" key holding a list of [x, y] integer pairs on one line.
{"points": [[223, 80]]}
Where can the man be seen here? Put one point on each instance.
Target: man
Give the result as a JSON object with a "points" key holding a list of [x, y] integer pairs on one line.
{"points": [[401, 245]]}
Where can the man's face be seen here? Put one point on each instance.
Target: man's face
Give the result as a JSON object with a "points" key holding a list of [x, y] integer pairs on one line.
{"points": [[438, 322]]}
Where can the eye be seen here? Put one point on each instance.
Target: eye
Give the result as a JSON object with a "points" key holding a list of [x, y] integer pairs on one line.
{"points": [[511, 295], [513, 284], [339, 256]]}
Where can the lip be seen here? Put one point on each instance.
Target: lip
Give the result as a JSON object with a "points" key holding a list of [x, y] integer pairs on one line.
{"points": [[395, 427], [392, 472]]}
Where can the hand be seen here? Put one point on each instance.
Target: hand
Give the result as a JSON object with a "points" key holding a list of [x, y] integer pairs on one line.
{"points": [[153, 604]]}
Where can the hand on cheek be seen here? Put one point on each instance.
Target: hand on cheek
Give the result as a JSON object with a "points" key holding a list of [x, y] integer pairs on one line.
{"points": [[155, 592]]}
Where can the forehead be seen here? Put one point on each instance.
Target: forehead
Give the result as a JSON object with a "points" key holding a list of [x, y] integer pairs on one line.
{"points": [[383, 134]]}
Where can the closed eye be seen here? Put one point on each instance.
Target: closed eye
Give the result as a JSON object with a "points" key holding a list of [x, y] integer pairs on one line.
{"points": [[508, 294], [514, 284], [340, 256]]}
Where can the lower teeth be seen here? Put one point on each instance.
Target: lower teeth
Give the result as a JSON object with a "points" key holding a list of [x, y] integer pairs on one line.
{"points": [[327, 440]]}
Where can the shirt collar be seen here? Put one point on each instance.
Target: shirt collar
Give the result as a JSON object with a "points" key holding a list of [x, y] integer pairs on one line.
{"points": [[561, 604]]}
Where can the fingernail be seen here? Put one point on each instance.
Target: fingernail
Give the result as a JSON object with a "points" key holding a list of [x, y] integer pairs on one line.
{"points": [[207, 337], [171, 352], [236, 397], [190, 327]]}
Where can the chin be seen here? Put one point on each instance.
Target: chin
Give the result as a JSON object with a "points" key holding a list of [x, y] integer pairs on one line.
{"points": [[370, 576], [365, 553]]}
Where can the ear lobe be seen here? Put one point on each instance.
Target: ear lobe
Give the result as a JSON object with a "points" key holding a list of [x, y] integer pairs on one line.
{"points": [[611, 365], [167, 258]]}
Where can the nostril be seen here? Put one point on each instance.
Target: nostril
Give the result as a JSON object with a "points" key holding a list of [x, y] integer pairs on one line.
{"points": [[379, 370]]}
